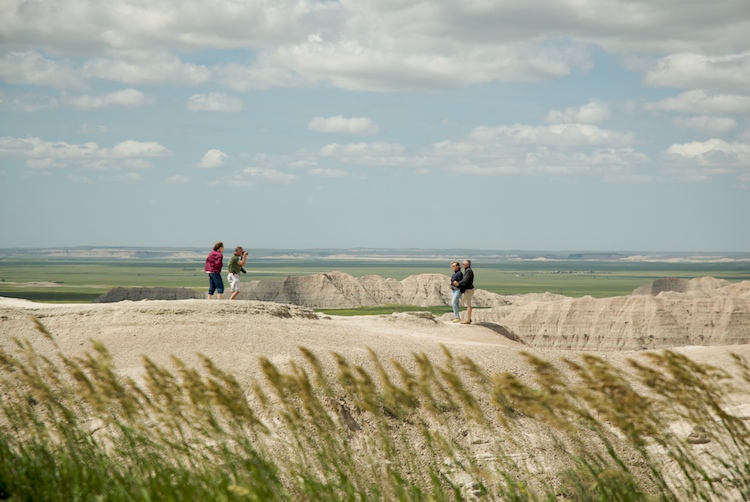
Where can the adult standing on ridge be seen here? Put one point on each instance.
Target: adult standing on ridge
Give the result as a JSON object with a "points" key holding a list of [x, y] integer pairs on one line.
{"points": [[236, 262], [456, 291], [466, 285], [214, 264]]}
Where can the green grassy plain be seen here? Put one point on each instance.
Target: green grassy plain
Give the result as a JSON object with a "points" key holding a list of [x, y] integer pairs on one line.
{"points": [[82, 279]]}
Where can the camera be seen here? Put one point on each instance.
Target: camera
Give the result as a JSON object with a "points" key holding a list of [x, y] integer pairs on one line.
{"points": [[243, 270]]}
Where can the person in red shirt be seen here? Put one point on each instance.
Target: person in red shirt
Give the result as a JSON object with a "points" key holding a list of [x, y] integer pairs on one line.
{"points": [[214, 264]]}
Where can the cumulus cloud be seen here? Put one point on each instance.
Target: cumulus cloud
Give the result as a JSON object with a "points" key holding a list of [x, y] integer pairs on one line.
{"points": [[712, 126], [146, 68], [373, 154], [26, 102], [214, 102], [177, 180], [699, 70], [701, 102], [362, 45], [593, 112], [132, 148], [126, 98], [213, 158], [126, 177], [46, 155], [341, 124], [556, 134], [92, 129], [714, 152], [328, 173], [30, 67], [271, 175]]}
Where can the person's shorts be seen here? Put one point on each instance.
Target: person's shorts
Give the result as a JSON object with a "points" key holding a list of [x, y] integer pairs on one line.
{"points": [[468, 295], [234, 281]]}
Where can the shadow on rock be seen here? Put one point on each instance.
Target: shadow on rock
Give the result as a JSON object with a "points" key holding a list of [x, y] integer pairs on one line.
{"points": [[501, 330]]}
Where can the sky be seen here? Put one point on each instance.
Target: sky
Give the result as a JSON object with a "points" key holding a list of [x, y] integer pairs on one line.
{"points": [[481, 124]]}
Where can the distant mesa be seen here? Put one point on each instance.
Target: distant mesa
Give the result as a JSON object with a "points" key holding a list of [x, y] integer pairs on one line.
{"points": [[596, 256], [698, 285]]}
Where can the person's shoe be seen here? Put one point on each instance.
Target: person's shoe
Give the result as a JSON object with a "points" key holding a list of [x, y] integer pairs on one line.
{"points": [[465, 322], [456, 319]]}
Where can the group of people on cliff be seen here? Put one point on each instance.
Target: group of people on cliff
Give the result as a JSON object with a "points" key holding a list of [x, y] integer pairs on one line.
{"points": [[214, 264], [462, 283]]}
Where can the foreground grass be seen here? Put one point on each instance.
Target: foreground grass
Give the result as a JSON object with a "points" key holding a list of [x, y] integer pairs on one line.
{"points": [[76, 429]]}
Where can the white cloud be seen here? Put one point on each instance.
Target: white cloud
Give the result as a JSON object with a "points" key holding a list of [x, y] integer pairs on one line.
{"points": [[213, 158], [177, 180], [712, 126], [553, 135], [362, 149], [593, 112], [341, 124], [44, 155], [271, 175], [385, 45], [214, 102], [368, 66], [32, 68], [714, 152], [92, 129], [328, 173], [26, 102], [700, 102], [45, 164], [698, 70], [127, 177], [374, 154], [130, 148], [147, 68], [126, 98]]}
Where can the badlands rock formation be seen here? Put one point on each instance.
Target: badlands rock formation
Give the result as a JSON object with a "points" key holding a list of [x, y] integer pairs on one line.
{"points": [[666, 313], [333, 290], [703, 311], [330, 290]]}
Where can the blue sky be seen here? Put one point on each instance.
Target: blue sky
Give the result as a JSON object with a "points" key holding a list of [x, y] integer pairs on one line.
{"points": [[481, 124]]}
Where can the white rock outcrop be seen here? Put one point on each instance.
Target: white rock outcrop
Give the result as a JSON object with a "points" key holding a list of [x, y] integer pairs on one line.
{"points": [[706, 312], [333, 290]]}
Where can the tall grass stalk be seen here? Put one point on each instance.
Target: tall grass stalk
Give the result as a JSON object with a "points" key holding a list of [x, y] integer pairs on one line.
{"points": [[662, 429]]}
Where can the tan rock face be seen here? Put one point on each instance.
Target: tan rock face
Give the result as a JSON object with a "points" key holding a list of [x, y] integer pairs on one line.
{"points": [[334, 290], [700, 315]]}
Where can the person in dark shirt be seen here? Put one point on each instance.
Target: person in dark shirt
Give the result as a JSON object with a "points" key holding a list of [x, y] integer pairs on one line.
{"points": [[455, 290], [236, 262], [466, 285]]}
